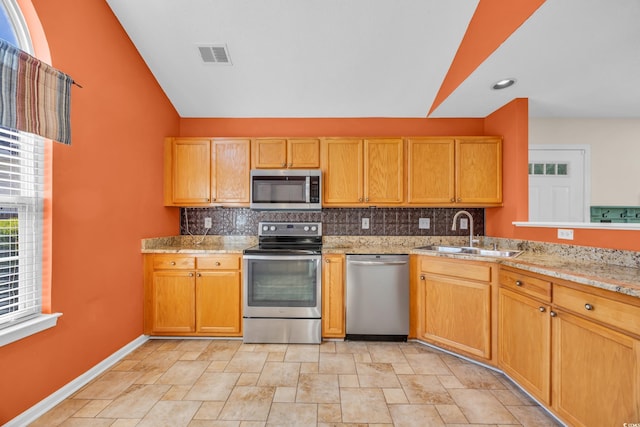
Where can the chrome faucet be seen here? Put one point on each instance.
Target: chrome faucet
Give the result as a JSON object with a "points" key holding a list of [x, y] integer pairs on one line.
{"points": [[455, 219]]}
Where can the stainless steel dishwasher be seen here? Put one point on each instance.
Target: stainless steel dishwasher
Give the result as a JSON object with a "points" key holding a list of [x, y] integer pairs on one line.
{"points": [[377, 297]]}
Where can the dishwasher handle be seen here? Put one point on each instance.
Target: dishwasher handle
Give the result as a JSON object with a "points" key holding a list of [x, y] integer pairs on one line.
{"points": [[377, 262]]}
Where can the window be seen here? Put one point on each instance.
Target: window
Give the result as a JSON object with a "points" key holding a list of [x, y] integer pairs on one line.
{"points": [[21, 212], [21, 202]]}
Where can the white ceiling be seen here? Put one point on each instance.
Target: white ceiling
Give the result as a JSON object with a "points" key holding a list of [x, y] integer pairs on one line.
{"points": [[384, 58]]}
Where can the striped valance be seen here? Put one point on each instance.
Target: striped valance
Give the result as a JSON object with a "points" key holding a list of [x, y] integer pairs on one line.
{"points": [[35, 97]]}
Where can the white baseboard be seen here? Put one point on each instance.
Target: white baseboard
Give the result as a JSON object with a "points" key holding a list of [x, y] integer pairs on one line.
{"points": [[48, 403]]}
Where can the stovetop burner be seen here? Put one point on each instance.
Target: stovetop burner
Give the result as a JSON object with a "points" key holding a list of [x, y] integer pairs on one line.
{"points": [[286, 238]]}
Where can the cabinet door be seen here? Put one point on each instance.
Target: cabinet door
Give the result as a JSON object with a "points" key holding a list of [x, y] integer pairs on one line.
{"points": [[430, 164], [596, 373], [524, 342], [269, 153], [479, 170], [333, 319], [230, 178], [303, 153], [384, 171], [187, 171], [342, 164], [458, 314], [173, 302], [218, 296]]}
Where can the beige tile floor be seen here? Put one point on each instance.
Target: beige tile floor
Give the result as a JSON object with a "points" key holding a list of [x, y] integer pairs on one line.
{"points": [[227, 383]]}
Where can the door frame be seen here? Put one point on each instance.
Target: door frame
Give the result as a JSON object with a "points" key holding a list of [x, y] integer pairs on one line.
{"points": [[586, 178]]}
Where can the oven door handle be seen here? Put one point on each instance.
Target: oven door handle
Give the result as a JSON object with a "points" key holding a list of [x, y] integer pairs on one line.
{"points": [[284, 257]]}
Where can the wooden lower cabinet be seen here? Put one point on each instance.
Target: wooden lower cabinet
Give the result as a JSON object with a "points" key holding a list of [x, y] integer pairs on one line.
{"points": [[524, 342], [333, 302], [574, 348], [454, 305], [188, 295], [173, 302]]}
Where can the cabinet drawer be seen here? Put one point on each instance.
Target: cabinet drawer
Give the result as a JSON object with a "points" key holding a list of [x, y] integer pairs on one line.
{"points": [[529, 285], [615, 313], [459, 269], [173, 262], [219, 262]]}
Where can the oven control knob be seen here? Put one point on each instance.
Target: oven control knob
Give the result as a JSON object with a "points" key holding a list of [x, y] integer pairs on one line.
{"points": [[265, 227], [272, 228], [314, 228], [306, 228]]}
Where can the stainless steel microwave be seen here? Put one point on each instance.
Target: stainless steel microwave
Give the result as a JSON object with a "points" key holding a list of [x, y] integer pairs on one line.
{"points": [[286, 189]]}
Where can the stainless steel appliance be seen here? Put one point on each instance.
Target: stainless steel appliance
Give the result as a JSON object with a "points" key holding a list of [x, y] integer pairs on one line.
{"points": [[282, 284], [377, 297], [290, 189]]}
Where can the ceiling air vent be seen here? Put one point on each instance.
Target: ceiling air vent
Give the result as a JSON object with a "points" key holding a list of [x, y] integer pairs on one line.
{"points": [[215, 54]]}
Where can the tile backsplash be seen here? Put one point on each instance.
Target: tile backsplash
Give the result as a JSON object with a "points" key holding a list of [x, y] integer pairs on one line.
{"points": [[335, 221]]}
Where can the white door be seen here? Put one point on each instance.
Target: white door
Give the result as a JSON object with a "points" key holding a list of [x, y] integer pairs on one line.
{"points": [[558, 183]]}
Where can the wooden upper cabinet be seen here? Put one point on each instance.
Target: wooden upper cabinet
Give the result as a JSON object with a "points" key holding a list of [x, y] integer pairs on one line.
{"points": [[454, 171], [363, 171], [293, 153], [206, 172], [384, 171], [230, 177], [479, 170], [430, 170], [342, 170], [187, 177]]}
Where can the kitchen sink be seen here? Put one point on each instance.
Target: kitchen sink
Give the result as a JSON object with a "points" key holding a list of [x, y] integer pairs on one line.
{"points": [[466, 250]]}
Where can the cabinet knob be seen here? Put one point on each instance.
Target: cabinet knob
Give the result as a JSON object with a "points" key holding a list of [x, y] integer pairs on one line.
{"points": [[208, 200], [360, 199], [290, 165], [327, 261], [190, 274], [553, 314], [214, 199], [199, 275], [542, 309], [284, 165], [366, 200], [519, 283], [459, 200], [588, 307], [217, 263], [452, 200], [421, 277], [173, 263]]}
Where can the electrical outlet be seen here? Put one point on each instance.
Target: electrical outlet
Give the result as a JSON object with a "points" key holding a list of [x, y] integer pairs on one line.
{"points": [[365, 223], [464, 223], [424, 223], [565, 234], [207, 222]]}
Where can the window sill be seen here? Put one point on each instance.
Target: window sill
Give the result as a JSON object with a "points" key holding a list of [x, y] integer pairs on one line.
{"points": [[29, 327], [593, 225]]}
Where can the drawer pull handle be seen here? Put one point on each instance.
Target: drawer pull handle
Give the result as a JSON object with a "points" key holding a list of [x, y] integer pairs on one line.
{"points": [[542, 309], [519, 283], [588, 307], [553, 314]]}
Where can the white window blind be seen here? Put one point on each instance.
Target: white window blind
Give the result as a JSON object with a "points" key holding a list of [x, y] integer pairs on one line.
{"points": [[21, 206]]}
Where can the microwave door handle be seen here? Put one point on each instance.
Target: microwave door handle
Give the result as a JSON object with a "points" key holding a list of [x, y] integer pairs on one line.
{"points": [[308, 189]]}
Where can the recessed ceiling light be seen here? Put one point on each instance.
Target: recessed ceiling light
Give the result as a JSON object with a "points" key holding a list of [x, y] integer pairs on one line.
{"points": [[503, 84]]}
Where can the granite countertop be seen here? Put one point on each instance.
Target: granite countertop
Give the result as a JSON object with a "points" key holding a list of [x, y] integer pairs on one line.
{"points": [[613, 270]]}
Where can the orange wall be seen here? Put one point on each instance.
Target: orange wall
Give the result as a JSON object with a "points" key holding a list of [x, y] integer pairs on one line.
{"points": [[330, 127], [511, 121], [107, 196]]}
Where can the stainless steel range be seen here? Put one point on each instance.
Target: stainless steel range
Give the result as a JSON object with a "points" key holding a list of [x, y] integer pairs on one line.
{"points": [[282, 284]]}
